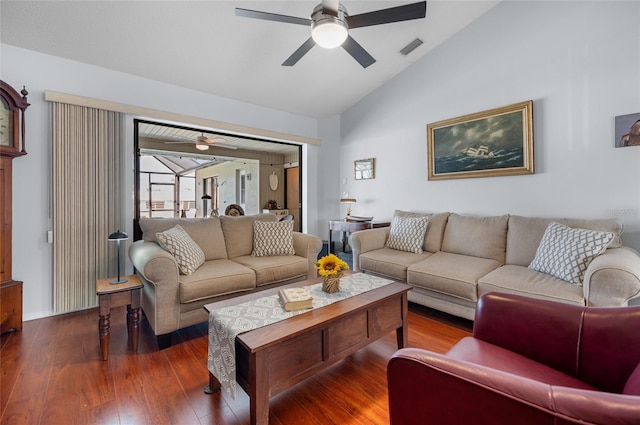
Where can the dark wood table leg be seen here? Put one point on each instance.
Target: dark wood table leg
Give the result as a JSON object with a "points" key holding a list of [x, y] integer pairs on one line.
{"points": [[214, 385], [329, 246], [133, 322], [133, 319], [103, 325], [402, 333], [259, 389]]}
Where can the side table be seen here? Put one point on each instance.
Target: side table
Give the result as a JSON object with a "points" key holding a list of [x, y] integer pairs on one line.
{"points": [[117, 295], [347, 227]]}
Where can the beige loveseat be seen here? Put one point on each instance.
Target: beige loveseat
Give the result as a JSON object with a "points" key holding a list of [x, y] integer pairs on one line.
{"points": [[172, 300], [466, 256]]}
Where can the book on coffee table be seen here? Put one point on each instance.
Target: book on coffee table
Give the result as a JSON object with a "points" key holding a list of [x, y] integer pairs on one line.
{"points": [[295, 299]]}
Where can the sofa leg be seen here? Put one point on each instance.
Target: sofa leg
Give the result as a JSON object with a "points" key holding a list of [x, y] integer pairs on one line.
{"points": [[164, 341]]}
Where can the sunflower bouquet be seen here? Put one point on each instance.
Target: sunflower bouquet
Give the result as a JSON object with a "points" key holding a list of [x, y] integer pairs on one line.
{"points": [[331, 268]]}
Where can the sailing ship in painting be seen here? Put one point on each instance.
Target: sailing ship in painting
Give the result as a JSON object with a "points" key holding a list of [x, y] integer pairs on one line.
{"points": [[480, 157], [480, 152]]}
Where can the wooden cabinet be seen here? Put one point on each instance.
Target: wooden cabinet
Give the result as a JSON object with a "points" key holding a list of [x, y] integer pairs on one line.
{"points": [[5, 219], [10, 306], [12, 109]]}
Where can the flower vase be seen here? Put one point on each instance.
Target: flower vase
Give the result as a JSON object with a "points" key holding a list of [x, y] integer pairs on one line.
{"points": [[331, 284]]}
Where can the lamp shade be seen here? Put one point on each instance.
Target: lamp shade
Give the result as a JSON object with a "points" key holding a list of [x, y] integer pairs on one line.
{"points": [[348, 200], [118, 236]]}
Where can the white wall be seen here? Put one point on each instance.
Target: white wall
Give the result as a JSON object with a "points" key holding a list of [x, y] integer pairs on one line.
{"points": [[578, 61], [32, 255], [580, 64]]}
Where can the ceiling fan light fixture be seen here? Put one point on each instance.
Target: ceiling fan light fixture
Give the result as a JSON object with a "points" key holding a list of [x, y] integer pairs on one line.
{"points": [[329, 30], [201, 145], [329, 34]]}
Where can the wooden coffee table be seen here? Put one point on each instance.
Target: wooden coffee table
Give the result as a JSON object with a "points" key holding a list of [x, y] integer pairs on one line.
{"points": [[273, 358]]}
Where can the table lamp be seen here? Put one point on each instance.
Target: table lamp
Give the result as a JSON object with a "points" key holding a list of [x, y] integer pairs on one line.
{"points": [[117, 237], [348, 201], [205, 198]]}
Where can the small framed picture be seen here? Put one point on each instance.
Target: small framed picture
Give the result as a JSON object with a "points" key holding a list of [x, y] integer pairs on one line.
{"points": [[364, 169], [627, 130]]}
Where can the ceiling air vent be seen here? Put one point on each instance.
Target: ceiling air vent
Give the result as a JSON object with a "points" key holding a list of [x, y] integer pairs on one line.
{"points": [[411, 47]]}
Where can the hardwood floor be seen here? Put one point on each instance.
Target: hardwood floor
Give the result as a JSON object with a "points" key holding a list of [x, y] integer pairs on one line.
{"points": [[52, 373]]}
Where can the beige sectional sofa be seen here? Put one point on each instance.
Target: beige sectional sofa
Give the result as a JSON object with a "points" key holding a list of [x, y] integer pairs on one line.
{"points": [[466, 256], [172, 300]]}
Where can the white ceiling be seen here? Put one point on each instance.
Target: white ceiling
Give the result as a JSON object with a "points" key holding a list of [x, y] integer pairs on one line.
{"points": [[203, 46]]}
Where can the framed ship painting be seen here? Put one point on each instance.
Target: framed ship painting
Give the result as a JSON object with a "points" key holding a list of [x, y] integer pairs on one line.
{"points": [[497, 142]]}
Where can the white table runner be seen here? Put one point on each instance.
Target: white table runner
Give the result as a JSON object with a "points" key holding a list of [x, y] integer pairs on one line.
{"points": [[226, 323]]}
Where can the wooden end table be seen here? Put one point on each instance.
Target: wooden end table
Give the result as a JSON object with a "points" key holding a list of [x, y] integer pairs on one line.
{"points": [[347, 227], [117, 295]]}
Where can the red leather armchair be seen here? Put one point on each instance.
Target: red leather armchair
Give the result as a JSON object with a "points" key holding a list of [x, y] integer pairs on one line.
{"points": [[529, 362]]}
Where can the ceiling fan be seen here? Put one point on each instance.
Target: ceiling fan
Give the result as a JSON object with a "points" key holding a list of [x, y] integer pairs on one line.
{"points": [[203, 143], [330, 24]]}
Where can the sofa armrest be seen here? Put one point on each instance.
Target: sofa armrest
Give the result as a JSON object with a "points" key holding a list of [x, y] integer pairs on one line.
{"points": [[613, 278], [307, 246], [545, 331], [159, 272], [367, 240], [156, 265], [419, 378]]}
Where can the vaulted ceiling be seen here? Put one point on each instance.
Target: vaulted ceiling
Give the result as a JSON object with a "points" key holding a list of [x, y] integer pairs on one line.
{"points": [[204, 46]]}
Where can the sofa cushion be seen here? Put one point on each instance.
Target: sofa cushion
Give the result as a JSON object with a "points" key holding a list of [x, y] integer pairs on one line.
{"points": [[484, 237], [215, 278], [238, 232], [435, 231], [565, 252], [275, 269], [206, 232], [407, 234], [525, 233], [482, 353], [521, 280], [452, 274], [272, 238], [187, 253], [390, 263]]}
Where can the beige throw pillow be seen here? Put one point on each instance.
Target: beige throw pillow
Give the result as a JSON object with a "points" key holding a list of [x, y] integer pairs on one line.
{"points": [[187, 253], [272, 238]]}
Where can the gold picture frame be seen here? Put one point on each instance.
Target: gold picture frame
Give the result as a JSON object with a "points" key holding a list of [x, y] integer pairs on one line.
{"points": [[364, 169], [496, 142]]}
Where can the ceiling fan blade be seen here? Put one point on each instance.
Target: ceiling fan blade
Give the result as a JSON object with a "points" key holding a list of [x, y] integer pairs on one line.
{"points": [[215, 140], [358, 52], [272, 17], [387, 16], [298, 54], [223, 145]]}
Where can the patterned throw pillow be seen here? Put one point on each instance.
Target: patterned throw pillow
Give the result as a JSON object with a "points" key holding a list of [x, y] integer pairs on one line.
{"points": [[566, 252], [187, 253], [407, 234], [272, 238]]}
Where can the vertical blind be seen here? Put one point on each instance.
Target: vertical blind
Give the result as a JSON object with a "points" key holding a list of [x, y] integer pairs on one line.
{"points": [[86, 201]]}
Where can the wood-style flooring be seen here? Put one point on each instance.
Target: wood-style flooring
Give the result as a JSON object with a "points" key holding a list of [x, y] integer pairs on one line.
{"points": [[52, 373]]}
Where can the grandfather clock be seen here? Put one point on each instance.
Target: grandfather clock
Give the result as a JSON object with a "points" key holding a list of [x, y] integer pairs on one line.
{"points": [[11, 146]]}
